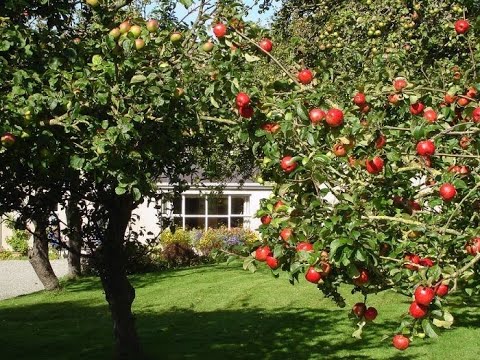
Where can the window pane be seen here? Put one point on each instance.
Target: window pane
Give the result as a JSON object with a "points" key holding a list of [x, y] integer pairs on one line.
{"points": [[238, 205], [194, 206], [217, 222], [177, 220], [177, 205], [217, 206], [195, 223], [236, 222]]}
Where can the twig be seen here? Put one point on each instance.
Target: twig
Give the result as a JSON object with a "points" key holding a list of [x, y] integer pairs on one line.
{"points": [[458, 155], [289, 74], [459, 272], [408, 222], [457, 207], [219, 120]]}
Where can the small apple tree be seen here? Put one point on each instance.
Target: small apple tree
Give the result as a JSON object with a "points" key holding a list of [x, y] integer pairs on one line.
{"points": [[98, 104]]}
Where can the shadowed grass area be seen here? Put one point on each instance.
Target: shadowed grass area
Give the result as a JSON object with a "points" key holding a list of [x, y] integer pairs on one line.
{"points": [[219, 312]]}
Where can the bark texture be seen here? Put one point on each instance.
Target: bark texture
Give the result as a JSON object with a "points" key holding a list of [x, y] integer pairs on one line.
{"points": [[119, 292], [74, 222], [38, 257]]}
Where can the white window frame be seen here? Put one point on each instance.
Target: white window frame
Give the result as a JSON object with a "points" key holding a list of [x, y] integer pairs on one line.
{"points": [[167, 210]]}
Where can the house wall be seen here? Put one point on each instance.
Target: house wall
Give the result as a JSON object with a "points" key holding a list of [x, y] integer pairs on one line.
{"points": [[5, 232], [148, 216]]}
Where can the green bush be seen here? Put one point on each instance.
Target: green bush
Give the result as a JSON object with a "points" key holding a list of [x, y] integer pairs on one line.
{"points": [[180, 254], [19, 241], [180, 236]]}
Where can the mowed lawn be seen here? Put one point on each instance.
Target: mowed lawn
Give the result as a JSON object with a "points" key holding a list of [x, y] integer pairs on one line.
{"points": [[221, 312]]}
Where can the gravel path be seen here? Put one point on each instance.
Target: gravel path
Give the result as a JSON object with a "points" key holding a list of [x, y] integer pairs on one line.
{"points": [[18, 278]]}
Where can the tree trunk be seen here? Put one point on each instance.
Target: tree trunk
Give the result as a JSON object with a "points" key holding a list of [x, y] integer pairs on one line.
{"points": [[118, 291], [38, 257], [74, 222]]}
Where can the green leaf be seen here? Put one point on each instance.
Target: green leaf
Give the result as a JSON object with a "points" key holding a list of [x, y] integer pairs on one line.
{"points": [[214, 102], [251, 58], [120, 190], [428, 329], [77, 162], [138, 79], [186, 3]]}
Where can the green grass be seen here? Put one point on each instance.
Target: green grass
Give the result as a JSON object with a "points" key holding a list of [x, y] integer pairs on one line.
{"points": [[219, 312]]}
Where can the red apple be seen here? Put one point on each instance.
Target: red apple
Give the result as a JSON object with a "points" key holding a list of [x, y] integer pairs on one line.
{"points": [[272, 262], [334, 117], [246, 111], [8, 139], [424, 295], [360, 99], [115, 33], [208, 46], [313, 275], [316, 116], [152, 25], [447, 192], [359, 309], [266, 219], [412, 205], [462, 26], [426, 262], [430, 115], [220, 30], [450, 98], [139, 44], [371, 314], [286, 234], [339, 150], [375, 165], [412, 259], [124, 27], [417, 108], [304, 246], [394, 99], [401, 342], [476, 115], [381, 141], [270, 127], [242, 99], [266, 45], [362, 278], [278, 205], [305, 76], [418, 311], [425, 148], [473, 246], [287, 164], [442, 290], [262, 253], [400, 83]]}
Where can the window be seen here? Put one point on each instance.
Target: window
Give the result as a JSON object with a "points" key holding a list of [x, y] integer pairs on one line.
{"points": [[202, 212]]}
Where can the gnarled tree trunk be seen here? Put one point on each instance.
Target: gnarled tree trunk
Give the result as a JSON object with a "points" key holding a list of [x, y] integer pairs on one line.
{"points": [[38, 257], [118, 291], [74, 222]]}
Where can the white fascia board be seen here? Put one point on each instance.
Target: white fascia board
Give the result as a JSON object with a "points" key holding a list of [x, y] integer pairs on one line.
{"points": [[227, 186]]}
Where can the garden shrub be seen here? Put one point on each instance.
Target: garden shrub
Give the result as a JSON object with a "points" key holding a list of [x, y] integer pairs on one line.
{"points": [[180, 236], [179, 254], [19, 241]]}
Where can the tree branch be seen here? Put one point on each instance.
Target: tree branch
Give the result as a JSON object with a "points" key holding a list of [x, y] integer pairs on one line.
{"points": [[408, 222]]}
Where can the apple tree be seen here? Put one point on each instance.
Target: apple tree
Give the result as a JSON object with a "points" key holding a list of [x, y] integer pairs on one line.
{"points": [[369, 136], [98, 104]]}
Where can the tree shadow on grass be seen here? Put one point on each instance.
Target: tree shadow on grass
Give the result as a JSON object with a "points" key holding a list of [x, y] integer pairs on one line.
{"points": [[80, 330]]}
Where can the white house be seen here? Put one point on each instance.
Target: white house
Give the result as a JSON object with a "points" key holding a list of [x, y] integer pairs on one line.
{"points": [[200, 207]]}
